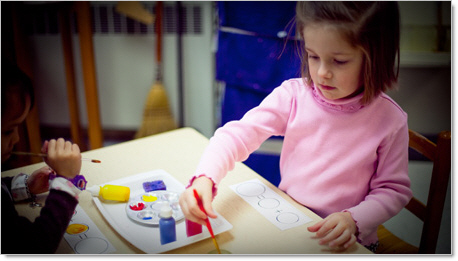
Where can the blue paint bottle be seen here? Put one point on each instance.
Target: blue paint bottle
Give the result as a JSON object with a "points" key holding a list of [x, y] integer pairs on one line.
{"points": [[167, 228]]}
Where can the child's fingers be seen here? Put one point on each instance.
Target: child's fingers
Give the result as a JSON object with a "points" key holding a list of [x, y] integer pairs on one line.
{"points": [[75, 148], [344, 241], [60, 145], [207, 204], [336, 237], [339, 236], [190, 208], [195, 208], [335, 230], [44, 148], [328, 234], [51, 149], [327, 226], [68, 146], [350, 242], [314, 228]]}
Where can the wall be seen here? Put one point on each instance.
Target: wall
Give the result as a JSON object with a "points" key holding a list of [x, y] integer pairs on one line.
{"points": [[125, 67], [424, 90]]}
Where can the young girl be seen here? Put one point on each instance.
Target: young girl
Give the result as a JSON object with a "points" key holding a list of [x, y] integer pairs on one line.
{"points": [[45, 233], [345, 149]]}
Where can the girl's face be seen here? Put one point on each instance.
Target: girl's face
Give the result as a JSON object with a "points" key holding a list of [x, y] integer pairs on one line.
{"points": [[335, 66], [11, 119]]}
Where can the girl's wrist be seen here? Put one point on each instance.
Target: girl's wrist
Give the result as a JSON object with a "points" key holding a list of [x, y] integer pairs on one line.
{"points": [[79, 181], [63, 184], [194, 178]]}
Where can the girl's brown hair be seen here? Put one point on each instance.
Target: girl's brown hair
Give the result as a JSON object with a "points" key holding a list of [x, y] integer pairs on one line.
{"points": [[371, 26], [15, 82]]}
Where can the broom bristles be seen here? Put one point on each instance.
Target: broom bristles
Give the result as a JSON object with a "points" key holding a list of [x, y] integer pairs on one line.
{"points": [[157, 116]]}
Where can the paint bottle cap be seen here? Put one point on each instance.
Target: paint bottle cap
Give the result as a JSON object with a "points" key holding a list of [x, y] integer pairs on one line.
{"points": [[166, 210], [94, 190]]}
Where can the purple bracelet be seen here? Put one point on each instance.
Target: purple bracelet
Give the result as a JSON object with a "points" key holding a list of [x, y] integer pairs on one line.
{"points": [[79, 181]]}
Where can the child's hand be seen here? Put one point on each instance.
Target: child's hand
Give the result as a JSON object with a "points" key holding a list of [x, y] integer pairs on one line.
{"points": [[38, 182], [337, 229], [63, 157], [188, 202]]}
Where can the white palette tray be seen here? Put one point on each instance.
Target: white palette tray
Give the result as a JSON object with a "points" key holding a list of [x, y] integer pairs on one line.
{"points": [[146, 237]]}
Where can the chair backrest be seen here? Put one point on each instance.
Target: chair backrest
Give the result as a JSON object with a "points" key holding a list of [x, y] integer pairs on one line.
{"points": [[431, 214]]}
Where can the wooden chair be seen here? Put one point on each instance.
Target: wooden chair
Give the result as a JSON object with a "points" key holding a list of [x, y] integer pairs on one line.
{"points": [[431, 214]]}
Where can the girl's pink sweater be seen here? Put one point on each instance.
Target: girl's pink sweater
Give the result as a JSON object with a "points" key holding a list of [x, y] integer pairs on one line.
{"points": [[337, 155]]}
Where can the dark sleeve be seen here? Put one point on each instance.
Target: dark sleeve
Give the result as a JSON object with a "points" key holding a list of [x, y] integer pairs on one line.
{"points": [[6, 181], [21, 236]]}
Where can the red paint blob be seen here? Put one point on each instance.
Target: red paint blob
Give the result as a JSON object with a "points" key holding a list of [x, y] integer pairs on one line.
{"points": [[138, 206]]}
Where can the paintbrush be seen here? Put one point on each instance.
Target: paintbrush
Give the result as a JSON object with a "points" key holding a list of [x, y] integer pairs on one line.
{"points": [[201, 206], [45, 155]]}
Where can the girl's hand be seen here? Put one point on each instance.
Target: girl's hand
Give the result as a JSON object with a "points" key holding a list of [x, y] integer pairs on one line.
{"points": [[38, 182], [337, 229], [188, 202], [63, 157]]}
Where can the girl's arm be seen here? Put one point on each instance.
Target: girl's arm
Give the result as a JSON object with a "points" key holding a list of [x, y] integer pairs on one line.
{"points": [[389, 188], [234, 142], [45, 233]]}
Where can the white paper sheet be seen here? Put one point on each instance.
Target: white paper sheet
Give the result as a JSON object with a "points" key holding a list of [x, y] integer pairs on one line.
{"points": [[85, 237], [271, 205]]}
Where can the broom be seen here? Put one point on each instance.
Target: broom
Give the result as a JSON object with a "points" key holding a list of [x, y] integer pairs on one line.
{"points": [[157, 116]]}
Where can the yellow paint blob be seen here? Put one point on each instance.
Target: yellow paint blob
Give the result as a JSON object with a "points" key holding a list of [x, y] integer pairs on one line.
{"points": [[147, 198], [75, 229]]}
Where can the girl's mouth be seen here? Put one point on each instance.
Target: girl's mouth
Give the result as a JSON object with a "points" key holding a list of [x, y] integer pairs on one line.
{"points": [[327, 88], [6, 155]]}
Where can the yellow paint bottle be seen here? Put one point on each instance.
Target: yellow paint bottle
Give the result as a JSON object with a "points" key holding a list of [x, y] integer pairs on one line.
{"points": [[111, 192]]}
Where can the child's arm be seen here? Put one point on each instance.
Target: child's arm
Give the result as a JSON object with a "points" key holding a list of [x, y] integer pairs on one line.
{"points": [[389, 188], [24, 187], [44, 234], [236, 140], [233, 143]]}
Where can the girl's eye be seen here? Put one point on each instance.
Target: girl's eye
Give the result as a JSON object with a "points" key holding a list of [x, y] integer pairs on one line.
{"points": [[7, 132], [313, 57], [340, 62]]}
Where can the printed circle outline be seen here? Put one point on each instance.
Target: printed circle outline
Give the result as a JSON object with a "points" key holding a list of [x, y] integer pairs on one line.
{"points": [[269, 203], [251, 189], [91, 243], [287, 218]]}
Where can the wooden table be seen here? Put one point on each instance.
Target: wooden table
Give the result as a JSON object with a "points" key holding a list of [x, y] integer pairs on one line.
{"points": [[178, 153]]}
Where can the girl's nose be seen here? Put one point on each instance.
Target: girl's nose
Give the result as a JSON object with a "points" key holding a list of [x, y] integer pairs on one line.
{"points": [[324, 71], [15, 137]]}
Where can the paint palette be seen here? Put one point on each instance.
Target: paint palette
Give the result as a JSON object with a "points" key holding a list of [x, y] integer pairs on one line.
{"points": [[146, 207], [144, 233]]}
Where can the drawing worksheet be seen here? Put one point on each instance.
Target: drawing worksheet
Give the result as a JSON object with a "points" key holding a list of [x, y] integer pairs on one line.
{"points": [[271, 205]]}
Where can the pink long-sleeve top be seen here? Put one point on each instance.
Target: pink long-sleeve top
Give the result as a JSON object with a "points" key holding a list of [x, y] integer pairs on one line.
{"points": [[337, 155]]}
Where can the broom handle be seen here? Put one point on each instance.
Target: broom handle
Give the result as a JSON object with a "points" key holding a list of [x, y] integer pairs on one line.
{"points": [[159, 31]]}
